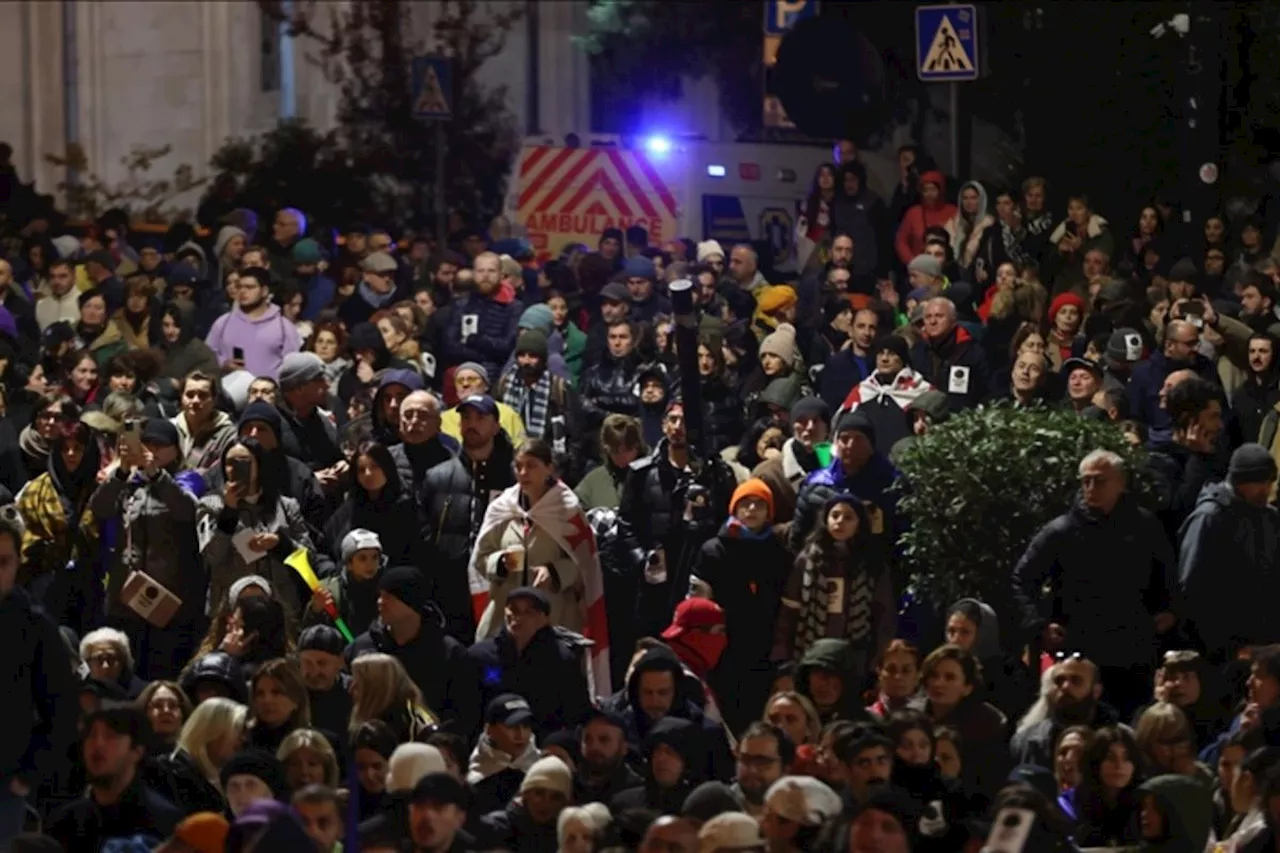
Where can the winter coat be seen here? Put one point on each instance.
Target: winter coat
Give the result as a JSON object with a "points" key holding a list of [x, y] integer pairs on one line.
{"points": [[61, 550], [513, 829], [438, 664], [575, 344], [1144, 391], [452, 503], [862, 217], [1034, 744], [713, 759], [955, 365], [41, 707], [83, 826], [219, 524], [784, 474], [722, 414], [1178, 475], [652, 515], [186, 787], [157, 535], [189, 352], [886, 404], [609, 387], [602, 487], [107, 345], [984, 755], [392, 515], [495, 319], [1108, 578], [872, 483], [313, 441], [540, 550], [266, 339], [1252, 402], [204, 451], [918, 219], [508, 419], [1228, 547], [549, 674], [494, 776], [835, 656]]}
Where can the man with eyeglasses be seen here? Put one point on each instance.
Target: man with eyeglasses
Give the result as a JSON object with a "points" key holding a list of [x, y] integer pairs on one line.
{"points": [[1180, 352], [1074, 700], [254, 335], [764, 754], [1107, 565]]}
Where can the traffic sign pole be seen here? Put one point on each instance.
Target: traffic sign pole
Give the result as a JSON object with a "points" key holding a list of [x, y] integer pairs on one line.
{"points": [[433, 101]]}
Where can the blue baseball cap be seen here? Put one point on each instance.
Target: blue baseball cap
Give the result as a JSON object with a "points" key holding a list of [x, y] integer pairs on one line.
{"points": [[482, 403]]}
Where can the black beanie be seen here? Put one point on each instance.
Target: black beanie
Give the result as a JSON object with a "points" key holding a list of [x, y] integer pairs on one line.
{"points": [[256, 762], [811, 407], [532, 342], [406, 584], [1251, 463], [708, 800], [895, 344], [855, 421], [322, 638], [160, 431], [261, 410]]}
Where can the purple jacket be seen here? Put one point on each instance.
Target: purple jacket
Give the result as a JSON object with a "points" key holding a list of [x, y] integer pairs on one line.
{"points": [[265, 341]]}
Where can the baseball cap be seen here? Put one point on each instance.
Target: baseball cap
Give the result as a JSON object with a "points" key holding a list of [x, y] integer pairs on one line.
{"points": [[482, 403], [508, 709], [1072, 363]]}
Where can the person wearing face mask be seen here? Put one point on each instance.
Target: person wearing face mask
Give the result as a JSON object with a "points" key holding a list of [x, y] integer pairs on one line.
{"points": [[183, 351], [883, 397]]}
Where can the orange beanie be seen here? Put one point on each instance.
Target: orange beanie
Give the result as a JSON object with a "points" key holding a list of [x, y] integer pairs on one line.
{"points": [[753, 488]]}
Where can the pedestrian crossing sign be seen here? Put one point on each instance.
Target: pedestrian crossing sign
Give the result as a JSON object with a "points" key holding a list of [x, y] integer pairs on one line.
{"points": [[432, 87], [947, 43]]}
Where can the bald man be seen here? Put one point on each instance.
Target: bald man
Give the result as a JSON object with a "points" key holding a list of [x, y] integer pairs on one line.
{"points": [[1179, 352], [422, 445], [670, 834]]}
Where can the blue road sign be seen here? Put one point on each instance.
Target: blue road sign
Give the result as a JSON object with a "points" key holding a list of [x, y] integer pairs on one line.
{"points": [[947, 43], [782, 15], [432, 87]]}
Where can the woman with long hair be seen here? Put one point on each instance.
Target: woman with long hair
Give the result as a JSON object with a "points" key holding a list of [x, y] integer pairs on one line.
{"points": [[81, 372], [278, 704], [381, 689], [525, 541], [308, 759], [1105, 804], [251, 529], [839, 588], [167, 709], [378, 501], [258, 630], [210, 736], [819, 205]]}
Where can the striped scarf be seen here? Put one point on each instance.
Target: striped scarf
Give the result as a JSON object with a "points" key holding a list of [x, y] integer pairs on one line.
{"points": [[530, 403], [815, 602]]}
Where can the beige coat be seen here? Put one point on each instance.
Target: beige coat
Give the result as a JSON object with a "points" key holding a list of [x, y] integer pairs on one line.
{"points": [[540, 550]]}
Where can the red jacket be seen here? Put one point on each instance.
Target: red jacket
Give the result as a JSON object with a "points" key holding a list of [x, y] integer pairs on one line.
{"points": [[910, 240]]}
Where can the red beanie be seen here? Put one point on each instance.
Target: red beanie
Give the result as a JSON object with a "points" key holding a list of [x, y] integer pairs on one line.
{"points": [[1065, 299]]}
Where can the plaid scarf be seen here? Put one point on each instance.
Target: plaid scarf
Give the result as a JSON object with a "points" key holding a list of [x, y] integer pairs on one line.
{"points": [[530, 403]]}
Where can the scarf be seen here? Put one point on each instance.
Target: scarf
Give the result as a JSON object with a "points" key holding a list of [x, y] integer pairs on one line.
{"points": [[1040, 224], [735, 529], [815, 602], [375, 299], [530, 403], [1013, 245]]}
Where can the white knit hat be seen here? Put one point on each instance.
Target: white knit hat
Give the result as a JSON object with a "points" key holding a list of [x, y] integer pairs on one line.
{"points": [[730, 831], [410, 762], [548, 774], [803, 800], [707, 248]]}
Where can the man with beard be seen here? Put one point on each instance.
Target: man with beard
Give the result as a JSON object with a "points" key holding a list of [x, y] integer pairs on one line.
{"points": [[813, 283], [672, 502], [117, 803], [1181, 352], [1073, 700], [546, 404], [309, 432], [604, 772], [422, 446], [452, 504], [1257, 396], [254, 336], [608, 382], [1258, 304], [764, 754], [854, 363], [483, 326], [320, 650]]}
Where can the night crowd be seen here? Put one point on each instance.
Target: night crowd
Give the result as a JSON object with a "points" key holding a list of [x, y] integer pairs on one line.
{"points": [[324, 536]]}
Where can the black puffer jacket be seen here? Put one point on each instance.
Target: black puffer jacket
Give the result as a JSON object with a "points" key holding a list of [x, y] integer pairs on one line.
{"points": [[453, 500], [608, 387], [722, 414], [653, 515], [548, 674]]}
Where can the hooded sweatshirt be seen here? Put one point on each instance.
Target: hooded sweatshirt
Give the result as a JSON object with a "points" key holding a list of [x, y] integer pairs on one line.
{"points": [[188, 353], [838, 657], [910, 240], [1186, 804], [265, 340]]}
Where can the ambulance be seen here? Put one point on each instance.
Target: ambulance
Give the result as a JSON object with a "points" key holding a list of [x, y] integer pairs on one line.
{"points": [[730, 192]]}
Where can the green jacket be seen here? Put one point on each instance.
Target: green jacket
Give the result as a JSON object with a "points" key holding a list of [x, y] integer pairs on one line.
{"points": [[599, 488], [575, 343]]}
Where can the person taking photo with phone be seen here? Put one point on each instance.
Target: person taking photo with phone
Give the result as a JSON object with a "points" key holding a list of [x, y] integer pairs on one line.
{"points": [[155, 503]]}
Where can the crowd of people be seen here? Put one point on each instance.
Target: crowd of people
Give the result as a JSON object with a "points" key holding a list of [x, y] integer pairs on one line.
{"points": [[334, 537]]}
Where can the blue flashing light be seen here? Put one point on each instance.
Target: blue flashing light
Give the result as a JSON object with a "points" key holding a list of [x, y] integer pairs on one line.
{"points": [[715, 171], [657, 144]]}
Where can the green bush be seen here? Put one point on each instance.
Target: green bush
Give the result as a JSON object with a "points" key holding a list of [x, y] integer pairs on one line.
{"points": [[977, 489]]}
